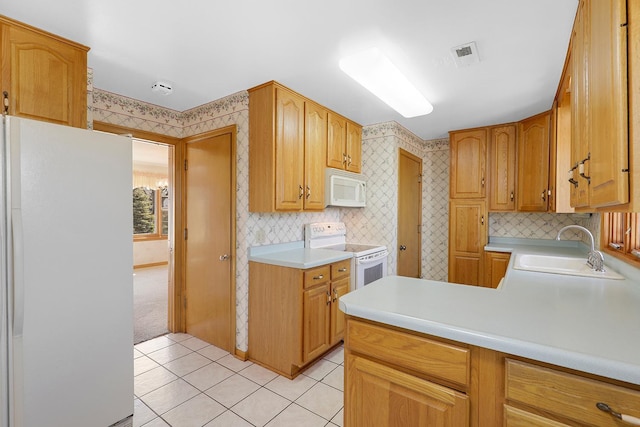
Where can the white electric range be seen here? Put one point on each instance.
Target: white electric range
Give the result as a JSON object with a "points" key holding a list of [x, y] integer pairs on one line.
{"points": [[369, 261]]}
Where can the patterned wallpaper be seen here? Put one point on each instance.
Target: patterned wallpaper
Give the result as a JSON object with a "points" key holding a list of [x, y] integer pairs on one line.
{"points": [[374, 224]]}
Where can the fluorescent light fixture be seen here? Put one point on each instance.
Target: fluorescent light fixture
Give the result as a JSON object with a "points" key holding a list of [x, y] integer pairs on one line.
{"points": [[378, 75]]}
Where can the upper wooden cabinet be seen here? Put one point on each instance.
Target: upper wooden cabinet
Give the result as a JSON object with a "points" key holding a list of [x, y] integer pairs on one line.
{"points": [[502, 168], [602, 84], [468, 163], [44, 76], [290, 146], [287, 143], [315, 128], [533, 164], [607, 86], [344, 144]]}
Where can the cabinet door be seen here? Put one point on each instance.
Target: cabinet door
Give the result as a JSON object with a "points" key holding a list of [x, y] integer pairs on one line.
{"points": [[354, 148], [467, 238], [46, 78], [468, 164], [316, 321], [336, 141], [533, 164], [609, 164], [502, 168], [338, 289], [495, 267], [378, 395], [580, 127], [289, 150], [314, 155]]}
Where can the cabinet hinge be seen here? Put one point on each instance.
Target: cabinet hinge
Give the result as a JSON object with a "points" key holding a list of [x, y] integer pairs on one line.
{"points": [[625, 170], [186, 166], [186, 233]]}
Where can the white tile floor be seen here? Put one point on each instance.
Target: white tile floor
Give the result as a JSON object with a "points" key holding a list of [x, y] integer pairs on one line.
{"points": [[181, 381]]}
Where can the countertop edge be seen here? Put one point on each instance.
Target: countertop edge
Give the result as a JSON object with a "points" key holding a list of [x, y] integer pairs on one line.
{"points": [[581, 362]]}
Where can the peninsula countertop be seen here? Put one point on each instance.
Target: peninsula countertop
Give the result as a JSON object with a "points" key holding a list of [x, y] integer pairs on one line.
{"points": [[591, 325]]}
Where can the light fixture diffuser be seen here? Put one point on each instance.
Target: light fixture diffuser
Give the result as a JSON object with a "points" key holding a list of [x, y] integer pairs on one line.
{"points": [[373, 70]]}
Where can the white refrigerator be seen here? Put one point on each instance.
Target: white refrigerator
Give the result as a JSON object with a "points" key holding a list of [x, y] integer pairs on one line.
{"points": [[66, 297]]}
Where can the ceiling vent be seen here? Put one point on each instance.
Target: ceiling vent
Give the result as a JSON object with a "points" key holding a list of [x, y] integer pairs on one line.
{"points": [[465, 54], [163, 88]]}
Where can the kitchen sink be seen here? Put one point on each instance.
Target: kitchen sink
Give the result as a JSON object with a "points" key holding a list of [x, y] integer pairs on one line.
{"points": [[561, 265]]}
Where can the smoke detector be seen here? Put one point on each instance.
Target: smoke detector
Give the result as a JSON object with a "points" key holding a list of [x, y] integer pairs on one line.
{"points": [[465, 54], [163, 88]]}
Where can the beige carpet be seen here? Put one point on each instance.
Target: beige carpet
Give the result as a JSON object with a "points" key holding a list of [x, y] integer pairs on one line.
{"points": [[149, 303]]}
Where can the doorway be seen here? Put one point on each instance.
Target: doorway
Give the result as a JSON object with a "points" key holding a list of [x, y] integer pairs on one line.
{"points": [[172, 220], [210, 184], [152, 190], [409, 214]]}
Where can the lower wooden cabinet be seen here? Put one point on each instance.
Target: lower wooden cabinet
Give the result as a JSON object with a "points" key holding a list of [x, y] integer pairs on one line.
{"points": [[379, 395], [567, 397], [293, 314], [468, 225], [495, 267], [396, 377]]}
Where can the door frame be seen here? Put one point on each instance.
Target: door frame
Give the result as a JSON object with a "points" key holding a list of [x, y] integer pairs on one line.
{"points": [[181, 314], [175, 311]]}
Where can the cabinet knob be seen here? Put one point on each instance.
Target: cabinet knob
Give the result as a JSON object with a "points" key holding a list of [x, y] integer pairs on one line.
{"points": [[342, 270], [511, 196], [224, 257], [349, 161], [328, 297], [482, 181], [544, 195], [5, 101], [301, 194], [482, 220], [335, 295], [344, 158], [319, 277], [403, 248], [308, 191]]}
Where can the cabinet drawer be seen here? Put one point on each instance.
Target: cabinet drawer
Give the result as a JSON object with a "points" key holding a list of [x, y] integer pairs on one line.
{"points": [[340, 269], [567, 395], [316, 276], [514, 417], [436, 359]]}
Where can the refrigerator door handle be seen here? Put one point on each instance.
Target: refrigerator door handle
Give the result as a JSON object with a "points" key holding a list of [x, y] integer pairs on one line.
{"points": [[18, 272]]}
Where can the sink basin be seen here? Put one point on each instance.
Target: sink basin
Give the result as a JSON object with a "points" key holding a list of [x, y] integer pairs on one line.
{"points": [[561, 265]]}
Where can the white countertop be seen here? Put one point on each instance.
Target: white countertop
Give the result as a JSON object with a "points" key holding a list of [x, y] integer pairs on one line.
{"points": [[295, 255], [591, 325]]}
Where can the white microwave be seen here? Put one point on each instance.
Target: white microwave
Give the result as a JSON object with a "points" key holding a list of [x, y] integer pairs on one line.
{"points": [[345, 189]]}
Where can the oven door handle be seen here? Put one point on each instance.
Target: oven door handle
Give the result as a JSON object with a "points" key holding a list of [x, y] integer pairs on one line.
{"points": [[366, 260]]}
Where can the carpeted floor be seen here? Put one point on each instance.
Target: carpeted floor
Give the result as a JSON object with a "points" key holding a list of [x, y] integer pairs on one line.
{"points": [[149, 303]]}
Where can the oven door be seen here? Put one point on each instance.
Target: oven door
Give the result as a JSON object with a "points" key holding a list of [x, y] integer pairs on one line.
{"points": [[370, 268]]}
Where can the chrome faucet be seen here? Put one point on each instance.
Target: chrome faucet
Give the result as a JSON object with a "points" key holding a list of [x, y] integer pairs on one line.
{"points": [[595, 259]]}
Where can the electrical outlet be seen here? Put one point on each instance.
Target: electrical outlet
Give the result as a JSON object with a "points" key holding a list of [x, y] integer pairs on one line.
{"points": [[261, 236]]}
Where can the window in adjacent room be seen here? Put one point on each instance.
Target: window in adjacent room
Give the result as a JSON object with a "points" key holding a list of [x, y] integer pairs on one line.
{"points": [[150, 190], [621, 235]]}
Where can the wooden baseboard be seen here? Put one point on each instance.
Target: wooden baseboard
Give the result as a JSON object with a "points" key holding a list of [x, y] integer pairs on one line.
{"points": [[153, 264], [242, 355]]}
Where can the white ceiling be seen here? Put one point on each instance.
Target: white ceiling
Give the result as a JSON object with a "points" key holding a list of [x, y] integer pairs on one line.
{"points": [[209, 49]]}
